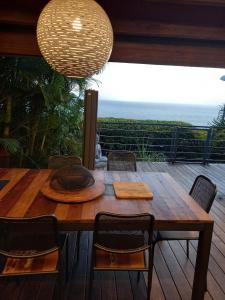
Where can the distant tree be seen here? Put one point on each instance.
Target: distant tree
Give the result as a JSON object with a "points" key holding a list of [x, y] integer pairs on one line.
{"points": [[218, 141], [220, 120]]}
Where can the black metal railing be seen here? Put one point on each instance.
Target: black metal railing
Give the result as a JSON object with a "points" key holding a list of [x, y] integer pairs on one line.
{"points": [[164, 142]]}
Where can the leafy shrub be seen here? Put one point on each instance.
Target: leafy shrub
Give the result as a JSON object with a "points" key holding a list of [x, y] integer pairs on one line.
{"points": [[152, 140], [41, 109]]}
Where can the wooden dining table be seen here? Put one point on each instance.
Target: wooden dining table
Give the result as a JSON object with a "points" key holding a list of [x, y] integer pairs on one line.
{"points": [[172, 206]]}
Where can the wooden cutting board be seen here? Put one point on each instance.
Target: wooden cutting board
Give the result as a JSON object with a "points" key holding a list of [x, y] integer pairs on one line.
{"points": [[132, 190]]}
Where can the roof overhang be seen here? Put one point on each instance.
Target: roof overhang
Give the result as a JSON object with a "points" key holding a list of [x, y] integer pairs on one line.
{"points": [[174, 32]]}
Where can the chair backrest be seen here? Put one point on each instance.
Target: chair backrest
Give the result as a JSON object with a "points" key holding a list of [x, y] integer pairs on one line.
{"points": [[121, 161], [28, 237], [123, 233], [59, 161], [204, 192]]}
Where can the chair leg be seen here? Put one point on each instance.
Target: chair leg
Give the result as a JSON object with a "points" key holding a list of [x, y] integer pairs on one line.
{"points": [[91, 277], [90, 284], [64, 271], [139, 276], [89, 291], [151, 258], [59, 289], [78, 245], [67, 259], [206, 288], [187, 247], [65, 255], [157, 236], [17, 280]]}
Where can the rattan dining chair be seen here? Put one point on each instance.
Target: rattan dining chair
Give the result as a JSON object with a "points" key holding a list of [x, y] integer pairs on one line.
{"points": [[121, 161], [203, 191], [31, 247], [121, 242], [59, 161]]}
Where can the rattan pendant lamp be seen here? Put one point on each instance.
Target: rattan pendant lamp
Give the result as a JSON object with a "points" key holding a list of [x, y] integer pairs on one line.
{"points": [[75, 36]]}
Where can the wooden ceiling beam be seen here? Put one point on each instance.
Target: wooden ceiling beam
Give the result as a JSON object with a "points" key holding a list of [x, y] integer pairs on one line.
{"points": [[155, 29], [187, 32], [163, 11], [136, 28], [163, 51], [19, 43], [18, 17], [174, 12], [170, 54], [24, 5], [192, 2]]}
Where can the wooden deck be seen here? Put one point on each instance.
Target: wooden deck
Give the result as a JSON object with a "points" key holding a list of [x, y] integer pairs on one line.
{"points": [[173, 272]]}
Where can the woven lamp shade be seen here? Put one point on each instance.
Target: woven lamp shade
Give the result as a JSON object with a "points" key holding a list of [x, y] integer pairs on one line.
{"points": [[75, 36]]}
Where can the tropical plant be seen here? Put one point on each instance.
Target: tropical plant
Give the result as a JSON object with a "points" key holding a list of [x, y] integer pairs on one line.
{"points": [[219, 121], [10, 145], [40, 109], [218, 141], [144, 154]]}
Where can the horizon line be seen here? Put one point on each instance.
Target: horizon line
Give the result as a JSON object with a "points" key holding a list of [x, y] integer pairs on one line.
{"points": [[152, 102]]}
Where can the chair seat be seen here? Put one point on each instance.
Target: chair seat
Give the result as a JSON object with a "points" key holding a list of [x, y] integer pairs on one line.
{"points": [[179, 235], [42, 264], [109, 260], [118, 240]]}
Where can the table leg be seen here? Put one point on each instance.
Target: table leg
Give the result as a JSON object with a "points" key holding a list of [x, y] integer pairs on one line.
{"points": [[202, 260]]}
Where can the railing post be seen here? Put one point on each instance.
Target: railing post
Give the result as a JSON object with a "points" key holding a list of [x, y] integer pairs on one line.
{"points": [[90, 123], [173, 149], [208, 146]]}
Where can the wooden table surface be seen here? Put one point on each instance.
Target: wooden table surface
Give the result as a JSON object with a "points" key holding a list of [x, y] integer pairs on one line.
{"points": [[172, 207]]}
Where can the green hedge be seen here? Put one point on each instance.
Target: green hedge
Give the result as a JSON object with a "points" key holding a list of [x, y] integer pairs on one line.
{"points": [[150, 140]]}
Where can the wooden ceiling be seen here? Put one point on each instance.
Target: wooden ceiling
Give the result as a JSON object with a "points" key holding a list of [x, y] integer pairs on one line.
{"points": [[174, 32]]}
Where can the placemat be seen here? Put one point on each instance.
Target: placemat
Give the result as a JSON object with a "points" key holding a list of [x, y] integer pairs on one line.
{"points": [[132, 190]]}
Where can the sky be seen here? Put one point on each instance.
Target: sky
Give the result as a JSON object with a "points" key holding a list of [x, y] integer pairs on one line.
{"points": [[162, 84]]}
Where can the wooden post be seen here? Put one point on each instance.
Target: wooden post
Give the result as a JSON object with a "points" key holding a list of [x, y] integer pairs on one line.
{"points": [[90, 123]]}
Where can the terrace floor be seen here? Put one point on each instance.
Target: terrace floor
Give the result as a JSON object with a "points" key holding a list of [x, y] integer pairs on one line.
{"points": [[173, 272]]}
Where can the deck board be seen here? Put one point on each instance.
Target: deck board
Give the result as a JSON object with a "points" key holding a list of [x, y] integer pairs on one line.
{"points": [[173, 272]]}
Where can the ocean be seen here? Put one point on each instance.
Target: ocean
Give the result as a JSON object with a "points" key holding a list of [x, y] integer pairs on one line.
{"points": [[199, 115]]}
